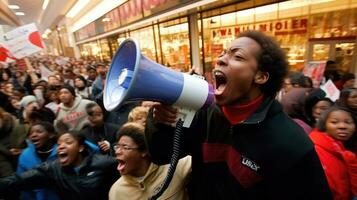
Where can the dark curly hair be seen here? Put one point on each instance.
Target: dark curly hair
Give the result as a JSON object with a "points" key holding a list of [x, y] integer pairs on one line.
{"points": [[271, 59], [136, 132]]}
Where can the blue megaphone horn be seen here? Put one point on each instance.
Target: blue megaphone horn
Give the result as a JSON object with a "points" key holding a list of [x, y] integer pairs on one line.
{"points": [[134, 77]]}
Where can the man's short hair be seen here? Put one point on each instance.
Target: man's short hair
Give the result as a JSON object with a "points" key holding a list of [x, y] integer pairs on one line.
{"points": [[271, 59], [136, 132]]}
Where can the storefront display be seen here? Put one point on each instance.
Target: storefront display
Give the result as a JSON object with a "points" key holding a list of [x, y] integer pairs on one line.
{"points": [[105, 49], [91, 49], [145, 37], [175, 44], [314, 30]]}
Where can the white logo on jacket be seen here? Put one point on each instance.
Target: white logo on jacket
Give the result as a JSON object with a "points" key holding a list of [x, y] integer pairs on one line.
{"points": [[249, 163]]}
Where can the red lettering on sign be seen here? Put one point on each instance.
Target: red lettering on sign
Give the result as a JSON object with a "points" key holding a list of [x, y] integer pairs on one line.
{"points": [[303, 23], [223, 32], [262, 27], [154, 2], [236, 30], [294, 24]]}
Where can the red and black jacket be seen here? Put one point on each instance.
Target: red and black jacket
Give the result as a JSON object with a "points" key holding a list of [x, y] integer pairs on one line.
{"points": [[267, 156]]}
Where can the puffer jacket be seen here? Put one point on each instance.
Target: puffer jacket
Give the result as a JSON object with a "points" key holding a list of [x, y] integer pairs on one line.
{"points": [[91, 181]]}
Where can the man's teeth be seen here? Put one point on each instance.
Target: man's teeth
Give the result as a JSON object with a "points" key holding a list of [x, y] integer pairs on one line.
{"points": [[218, 73]]}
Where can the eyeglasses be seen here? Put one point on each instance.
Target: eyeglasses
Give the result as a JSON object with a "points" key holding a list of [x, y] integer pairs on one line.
{"points": [[123, 147]]}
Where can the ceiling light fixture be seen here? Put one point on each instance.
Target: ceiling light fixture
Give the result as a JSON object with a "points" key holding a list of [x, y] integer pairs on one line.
{"points": [[102, 8], [19, 13], [106, 19], [45, 4], [14, 7]]}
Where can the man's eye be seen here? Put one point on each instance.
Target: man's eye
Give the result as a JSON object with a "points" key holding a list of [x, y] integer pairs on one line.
{"points": [[238, 57], [222, 54]]}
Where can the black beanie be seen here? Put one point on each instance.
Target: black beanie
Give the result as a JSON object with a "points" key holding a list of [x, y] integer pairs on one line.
{"points": [[83, 79], [69, 88]]}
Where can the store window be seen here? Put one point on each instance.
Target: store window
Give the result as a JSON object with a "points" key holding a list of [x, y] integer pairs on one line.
{"points": [[145, 37], [105, 50], [91, 49], [288, 22], [158, 44], [175, 44]]}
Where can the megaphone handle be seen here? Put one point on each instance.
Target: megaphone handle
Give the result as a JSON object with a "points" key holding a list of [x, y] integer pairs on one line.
{"points": [[176, 150], [186, 115]]}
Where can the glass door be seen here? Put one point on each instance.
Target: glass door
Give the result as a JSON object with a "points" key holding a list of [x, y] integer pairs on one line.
{"points": [[341, 51]]}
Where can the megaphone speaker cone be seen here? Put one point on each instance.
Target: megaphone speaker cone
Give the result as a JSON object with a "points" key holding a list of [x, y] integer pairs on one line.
{"points": [[133, 77]]}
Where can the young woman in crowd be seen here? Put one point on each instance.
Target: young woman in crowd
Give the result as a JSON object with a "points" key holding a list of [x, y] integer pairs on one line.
{"points": [[316, 103], [80, 84], [77, 174], [52, 98], [98, 131], [333, 139], [41, 147], [140, 177], [348, 99]]}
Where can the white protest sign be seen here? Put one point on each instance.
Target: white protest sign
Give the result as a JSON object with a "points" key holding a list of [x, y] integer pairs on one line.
{"points": [[315, 70], [331, 90], [22, 41]]}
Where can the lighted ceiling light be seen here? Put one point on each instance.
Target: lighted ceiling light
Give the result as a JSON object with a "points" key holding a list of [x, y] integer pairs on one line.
{"points": [[14, 7], [106, 19], [47, 31], [45, 4], [103, 7], [19, 13], [76, 8]]}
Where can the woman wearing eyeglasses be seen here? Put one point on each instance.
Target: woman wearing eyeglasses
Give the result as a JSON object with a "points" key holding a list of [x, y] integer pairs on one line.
{"points": [[139, 176], [77, 174]]}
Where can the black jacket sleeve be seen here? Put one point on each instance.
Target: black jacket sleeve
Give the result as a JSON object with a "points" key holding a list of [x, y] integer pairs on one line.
{"points": [[31, 179], [159, 138]]}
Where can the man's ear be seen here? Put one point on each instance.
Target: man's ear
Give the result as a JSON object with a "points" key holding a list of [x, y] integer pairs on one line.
{"points": [[261, 77], [144, 154]]}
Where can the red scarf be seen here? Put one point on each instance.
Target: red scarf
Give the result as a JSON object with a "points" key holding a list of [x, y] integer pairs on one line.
{"points": [[238, 113]]}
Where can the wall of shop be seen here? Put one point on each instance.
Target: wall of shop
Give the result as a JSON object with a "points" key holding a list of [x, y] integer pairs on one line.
{"points": [[315, 30]]}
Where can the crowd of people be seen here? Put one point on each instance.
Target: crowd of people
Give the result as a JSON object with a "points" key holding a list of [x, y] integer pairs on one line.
{"points": [[270, 134]]}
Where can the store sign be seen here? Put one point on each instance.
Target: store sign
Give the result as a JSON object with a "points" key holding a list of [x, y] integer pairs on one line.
{"points": [[135, 8], [281, 27]]}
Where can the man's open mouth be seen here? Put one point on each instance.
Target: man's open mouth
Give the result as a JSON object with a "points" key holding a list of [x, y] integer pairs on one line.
{"points": [[121, 165], [220, 82], [63, 157], [36, 142]]}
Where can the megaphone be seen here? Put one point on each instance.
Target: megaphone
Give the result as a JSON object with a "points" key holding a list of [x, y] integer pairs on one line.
{"points": [[134, 77]]}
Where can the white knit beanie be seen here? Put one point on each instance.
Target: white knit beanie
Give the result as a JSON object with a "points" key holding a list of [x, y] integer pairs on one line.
{"points": [[27, 100]]}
